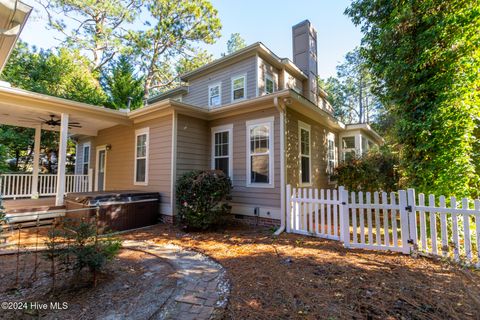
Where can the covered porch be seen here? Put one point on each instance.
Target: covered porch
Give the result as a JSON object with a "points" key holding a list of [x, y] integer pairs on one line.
{"points": [[23, 108]]}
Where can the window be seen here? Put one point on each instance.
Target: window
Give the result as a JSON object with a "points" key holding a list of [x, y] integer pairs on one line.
{"points": [[260, 153], [222, 149], [364, 144], [86, 158], [269, 84], [348, 147], [238, 88], [214, 95], [141, 156], [348, 142], [331, 154], [305, 146]]}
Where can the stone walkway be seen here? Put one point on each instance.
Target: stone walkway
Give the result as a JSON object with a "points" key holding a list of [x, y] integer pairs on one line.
{"points": [[202, 287]]}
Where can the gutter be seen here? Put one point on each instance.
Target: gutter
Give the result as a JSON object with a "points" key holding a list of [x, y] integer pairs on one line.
{"points": [[280, 106]]}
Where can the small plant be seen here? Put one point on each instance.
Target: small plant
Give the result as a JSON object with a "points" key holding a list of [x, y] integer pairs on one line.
{"points": [[55, 250], [82, 247], [3, 218], [202, 199]]}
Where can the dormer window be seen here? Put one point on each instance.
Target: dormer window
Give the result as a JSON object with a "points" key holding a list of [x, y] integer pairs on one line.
{"points": [[269, 84], [214, 95], [238, 88]]}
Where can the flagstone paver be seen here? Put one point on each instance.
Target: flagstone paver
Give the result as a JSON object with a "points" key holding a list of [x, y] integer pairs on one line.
{"points": [[202, 287]]}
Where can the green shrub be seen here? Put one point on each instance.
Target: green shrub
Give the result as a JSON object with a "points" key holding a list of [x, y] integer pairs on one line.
{"points": [[374, 171], [79, 246], [201, 199]]}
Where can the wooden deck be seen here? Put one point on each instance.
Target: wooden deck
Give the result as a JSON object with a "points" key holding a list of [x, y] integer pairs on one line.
{"points": [[30, 205]]}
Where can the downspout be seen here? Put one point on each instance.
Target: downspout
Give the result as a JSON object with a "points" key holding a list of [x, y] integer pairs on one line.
{"points": [[281, 109]]}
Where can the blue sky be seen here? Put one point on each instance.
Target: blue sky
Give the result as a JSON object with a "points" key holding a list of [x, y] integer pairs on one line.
{"points": [[259, 20]]}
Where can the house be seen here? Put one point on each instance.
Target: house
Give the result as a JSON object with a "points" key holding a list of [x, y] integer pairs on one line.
{"points": [[259, 118]]}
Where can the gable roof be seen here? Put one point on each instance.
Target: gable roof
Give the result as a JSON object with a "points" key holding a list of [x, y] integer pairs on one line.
{"points": [[257, 48]]}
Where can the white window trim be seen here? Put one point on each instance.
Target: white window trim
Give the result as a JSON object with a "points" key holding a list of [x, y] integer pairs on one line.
{"points": [[347, 150], [225, 128], [268, 77], [244, 76], [97, 166], [269, 122], [89, 145], [306, 127], [219, 84], [331, 137], [140, 132]]}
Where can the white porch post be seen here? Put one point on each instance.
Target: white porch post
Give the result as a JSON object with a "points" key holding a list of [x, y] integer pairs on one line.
{"points": [[62, 159], [36, 160]]}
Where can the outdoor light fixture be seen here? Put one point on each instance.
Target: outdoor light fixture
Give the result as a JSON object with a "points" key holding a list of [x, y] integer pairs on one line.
{"points": [[108, 147]]}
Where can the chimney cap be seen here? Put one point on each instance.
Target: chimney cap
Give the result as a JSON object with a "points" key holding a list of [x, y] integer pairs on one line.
{"points": [[307, 22]]}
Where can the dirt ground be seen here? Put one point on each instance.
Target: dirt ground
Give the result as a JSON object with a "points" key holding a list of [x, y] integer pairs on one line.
{"points": [[128, 287], [296, 277]]}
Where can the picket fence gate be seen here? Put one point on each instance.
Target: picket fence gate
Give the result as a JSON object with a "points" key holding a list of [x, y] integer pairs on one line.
{"points": [[397, 221]]}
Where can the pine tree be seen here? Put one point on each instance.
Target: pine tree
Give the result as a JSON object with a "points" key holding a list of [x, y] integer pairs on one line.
{"points": [[124, 88]]}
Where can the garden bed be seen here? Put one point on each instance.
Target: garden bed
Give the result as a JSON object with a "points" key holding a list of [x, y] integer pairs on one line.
{"points": [[293, 276]]}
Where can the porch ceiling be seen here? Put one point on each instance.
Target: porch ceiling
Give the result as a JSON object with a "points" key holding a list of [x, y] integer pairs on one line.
{"points": [[27, 109]]}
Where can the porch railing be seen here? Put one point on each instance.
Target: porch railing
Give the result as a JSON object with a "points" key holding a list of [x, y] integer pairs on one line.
{"points": [[20, 185]]}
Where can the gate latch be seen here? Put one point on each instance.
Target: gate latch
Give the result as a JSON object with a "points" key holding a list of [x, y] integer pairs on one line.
{"points": [[408, 208]]}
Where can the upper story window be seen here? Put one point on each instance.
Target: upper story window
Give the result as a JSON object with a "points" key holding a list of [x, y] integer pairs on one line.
{"points": [[348, 147], [141, 156], [222, 149], [260, 153], [269, 84], [305, 153], [86, 158], [215, 95], [331, 154], [238, 88]]}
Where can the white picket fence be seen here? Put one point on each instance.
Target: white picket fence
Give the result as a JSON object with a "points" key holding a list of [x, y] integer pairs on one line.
{"points": [[399, 221], [15, 185]]}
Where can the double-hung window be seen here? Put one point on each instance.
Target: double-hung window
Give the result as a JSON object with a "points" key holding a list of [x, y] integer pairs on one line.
{"points": [[141, 156], [260, 152], [86, 158], [331, 154], [222, 149], [269, 84], [238, 88], [215, 95], [305, 153], [348, 148]]}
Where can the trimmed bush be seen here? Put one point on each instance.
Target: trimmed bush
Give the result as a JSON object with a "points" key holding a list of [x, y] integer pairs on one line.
{"points": [[202, 199], [374, 171]]}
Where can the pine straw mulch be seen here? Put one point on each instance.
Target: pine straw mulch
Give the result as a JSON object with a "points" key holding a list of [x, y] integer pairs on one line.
{"points": [[296, 277]]}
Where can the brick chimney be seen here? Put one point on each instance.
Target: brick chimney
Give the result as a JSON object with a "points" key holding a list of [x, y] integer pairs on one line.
{"points": [[304, 39]]}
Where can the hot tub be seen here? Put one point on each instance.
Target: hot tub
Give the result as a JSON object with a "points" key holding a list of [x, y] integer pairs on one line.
{"points": [[119, 210]]}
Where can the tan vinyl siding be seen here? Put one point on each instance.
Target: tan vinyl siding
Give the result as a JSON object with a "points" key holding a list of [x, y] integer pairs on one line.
{"points": [[120, 159], [241, 194], [318, 160], [198, 87], [264, 68], [294, 83], [193, 139]]}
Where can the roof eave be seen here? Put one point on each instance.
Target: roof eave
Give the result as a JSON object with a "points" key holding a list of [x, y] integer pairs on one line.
{"points": [[9, 41]]}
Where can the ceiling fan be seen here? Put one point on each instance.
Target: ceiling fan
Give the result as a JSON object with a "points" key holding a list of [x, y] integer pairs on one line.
{"points": [[53, 123]]}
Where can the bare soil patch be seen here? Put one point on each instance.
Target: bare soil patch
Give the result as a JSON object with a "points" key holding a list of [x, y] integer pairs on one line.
{"points": [[134, 286], [296, 277]]}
